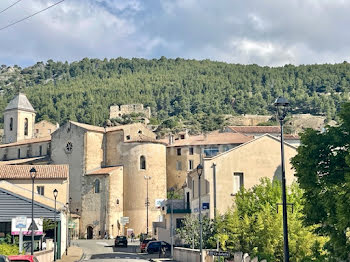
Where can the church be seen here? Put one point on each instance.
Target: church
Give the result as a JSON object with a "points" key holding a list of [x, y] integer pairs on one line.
{"points": [[114, 172]]}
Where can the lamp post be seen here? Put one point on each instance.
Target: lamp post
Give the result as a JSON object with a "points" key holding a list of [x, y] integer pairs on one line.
{"points": [[69, 221], [171, 221], [281, 105], [32, 175], [199, 172], [55, 193], [147, 201]]}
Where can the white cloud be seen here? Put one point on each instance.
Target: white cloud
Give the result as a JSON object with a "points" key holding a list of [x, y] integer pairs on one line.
{"points": [[265, 32]]}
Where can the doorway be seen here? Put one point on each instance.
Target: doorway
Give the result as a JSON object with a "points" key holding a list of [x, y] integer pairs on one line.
{"points": [[90, 232]]}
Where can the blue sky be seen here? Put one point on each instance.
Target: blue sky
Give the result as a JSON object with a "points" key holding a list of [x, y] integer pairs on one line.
{"points": [[264, 32]]}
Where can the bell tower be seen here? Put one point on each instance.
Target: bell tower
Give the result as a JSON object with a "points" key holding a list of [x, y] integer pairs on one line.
{"points": [[19, 119]]}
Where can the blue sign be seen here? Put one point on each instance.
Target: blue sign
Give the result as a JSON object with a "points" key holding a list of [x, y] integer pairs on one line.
{"points": [[205, 206]]}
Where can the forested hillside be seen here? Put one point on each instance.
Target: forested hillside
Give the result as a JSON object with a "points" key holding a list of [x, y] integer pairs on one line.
{"points": [[198, 92]]}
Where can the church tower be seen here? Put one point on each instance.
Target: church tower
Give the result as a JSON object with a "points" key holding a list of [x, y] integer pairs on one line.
{"points": [[19, 120]]}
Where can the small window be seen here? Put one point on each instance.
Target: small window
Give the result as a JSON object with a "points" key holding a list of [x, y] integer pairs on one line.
{"points": [[178, 165], [40, 190], [37, 131], [182, 136], [11, 124], [40, 150], [211, 151], [26, 126], [237, 182], [128, 137], [142, 162], [97, 186], [140, 132], [19, 153], [178, 151], [190, 164], [190, 151]]}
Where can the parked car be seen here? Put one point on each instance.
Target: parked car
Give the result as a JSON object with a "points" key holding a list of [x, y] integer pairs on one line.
{"points": [[23, 258], [121, 241], [155, 246], [4, 258], [144, 243]]}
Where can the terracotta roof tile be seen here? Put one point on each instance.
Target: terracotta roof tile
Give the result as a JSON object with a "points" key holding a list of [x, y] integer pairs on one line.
{"points": [[22, 160], [145, 139], [43, 171], [213, 139], [103, 171], [28, 141], [291, 137], [255, 129]]}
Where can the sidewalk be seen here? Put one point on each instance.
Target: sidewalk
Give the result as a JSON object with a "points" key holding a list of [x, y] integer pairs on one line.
{"points": [[74, 254]]}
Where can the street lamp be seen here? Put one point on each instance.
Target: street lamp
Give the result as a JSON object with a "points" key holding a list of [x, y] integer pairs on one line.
{"points": [[200, 172], [281, 105], [172, 190], [147, 200], [55, 193], [32, 175]]}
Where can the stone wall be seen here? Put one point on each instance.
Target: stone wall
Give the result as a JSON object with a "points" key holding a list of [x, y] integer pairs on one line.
{"points": [[44, 128], [119, 111]]}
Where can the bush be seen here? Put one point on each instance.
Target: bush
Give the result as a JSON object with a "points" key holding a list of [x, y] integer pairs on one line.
{"points": [[7, 250]]}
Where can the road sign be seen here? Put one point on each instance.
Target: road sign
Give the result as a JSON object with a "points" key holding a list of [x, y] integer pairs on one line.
{"points": [[124, 220], [38, 227], [21, 222], [219, 253]]}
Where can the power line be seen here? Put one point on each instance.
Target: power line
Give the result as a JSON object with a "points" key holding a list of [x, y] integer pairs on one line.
{"points": [[10, 6], [31, 15]]}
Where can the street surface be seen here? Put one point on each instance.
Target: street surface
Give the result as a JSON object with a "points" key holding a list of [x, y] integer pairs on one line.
{"points": [[103, 249]]}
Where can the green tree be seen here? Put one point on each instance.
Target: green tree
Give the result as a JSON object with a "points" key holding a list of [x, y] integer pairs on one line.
{"points": [[254, 226], [322, 167]]}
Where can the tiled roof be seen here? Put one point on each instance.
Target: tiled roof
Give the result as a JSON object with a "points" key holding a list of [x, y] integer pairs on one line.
{"points": [[213, 139], [291, 137], [23, 160], [255, 129], [20, 101], [103, 171], [140, 138], [28, 141], [89, 127], [102, 129], [43, 171]]}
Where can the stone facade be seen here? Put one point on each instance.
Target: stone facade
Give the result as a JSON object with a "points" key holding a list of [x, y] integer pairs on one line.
{"points": [[44, 129], [253, 160], [119, 111]]}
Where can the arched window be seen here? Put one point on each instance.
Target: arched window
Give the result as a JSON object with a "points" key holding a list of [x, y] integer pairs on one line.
{"points": [[11, 124], [26, 126], [97, 186], [142, 162]]}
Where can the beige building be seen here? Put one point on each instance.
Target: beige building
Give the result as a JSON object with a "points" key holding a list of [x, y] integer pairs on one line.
{"points": [[185, 152], [117, 158], [48, 178], [44, 128], [242, 166], [119, 111]]}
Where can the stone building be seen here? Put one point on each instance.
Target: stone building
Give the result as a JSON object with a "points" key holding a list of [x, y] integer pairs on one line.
{"points": [[242, 166], [185, 152], [119, 111], [44, 128]]}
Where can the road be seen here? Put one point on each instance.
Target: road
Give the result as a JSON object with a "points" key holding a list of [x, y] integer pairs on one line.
{"points": [[103, 249]]}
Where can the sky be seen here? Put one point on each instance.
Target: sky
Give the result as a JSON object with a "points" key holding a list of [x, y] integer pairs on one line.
{"points": [[263, 32]]}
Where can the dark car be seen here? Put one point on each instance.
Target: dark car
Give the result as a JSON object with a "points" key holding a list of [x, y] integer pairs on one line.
{"points": [[121, 241], [144, 243], [4, 259], [155, 246]]}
